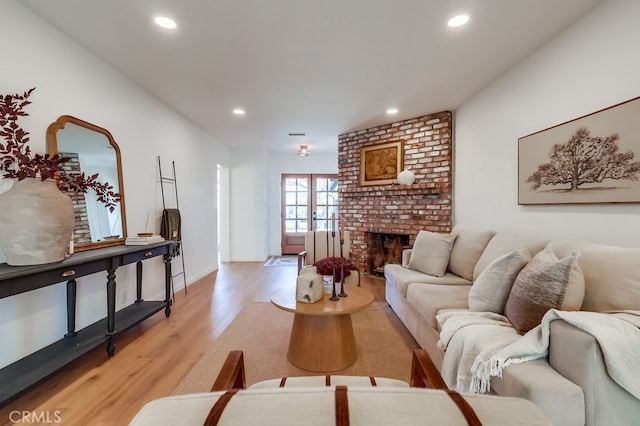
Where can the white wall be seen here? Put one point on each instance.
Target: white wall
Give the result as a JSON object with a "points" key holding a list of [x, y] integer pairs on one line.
{"points": [[592, 65], [255, 201], [280, 164], [69, 80], [249, 205]]}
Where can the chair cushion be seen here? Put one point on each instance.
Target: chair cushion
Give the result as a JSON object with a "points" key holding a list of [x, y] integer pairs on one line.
{"points": [[329, 380], [320, 244], [431, 253], [491, 289], [545, 283], [316, 406], [467, 249]]}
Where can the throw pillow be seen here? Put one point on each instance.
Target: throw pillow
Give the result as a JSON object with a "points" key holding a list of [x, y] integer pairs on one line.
{"points": [[491, 289], [544, 284], [431, 252], [469, 245]]}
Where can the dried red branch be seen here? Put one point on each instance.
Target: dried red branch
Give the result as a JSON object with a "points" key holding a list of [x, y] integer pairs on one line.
{"points": [[17, 161]]}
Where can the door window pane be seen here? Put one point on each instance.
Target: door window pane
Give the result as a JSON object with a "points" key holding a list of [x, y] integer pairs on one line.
{"points": [[290, 198], [301, 213], [290, 184]]}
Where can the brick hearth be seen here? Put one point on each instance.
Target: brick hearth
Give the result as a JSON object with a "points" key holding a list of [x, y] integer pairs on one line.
{"points": [[395, 208]]}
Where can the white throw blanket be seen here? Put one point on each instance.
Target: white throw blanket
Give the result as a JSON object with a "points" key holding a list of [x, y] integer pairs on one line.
{"points": [[489, 340], [464, 335], [618, 335]]}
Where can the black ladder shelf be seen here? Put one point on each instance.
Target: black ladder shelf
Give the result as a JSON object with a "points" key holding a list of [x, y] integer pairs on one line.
{"points": [[172, 180]]}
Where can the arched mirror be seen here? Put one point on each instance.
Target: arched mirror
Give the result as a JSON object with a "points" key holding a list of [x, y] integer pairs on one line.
{"points": [[91, 150]]}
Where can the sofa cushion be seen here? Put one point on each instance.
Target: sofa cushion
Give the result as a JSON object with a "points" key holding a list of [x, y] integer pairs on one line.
{"points": [[431, 253], [467, 249], [611, 274], [545, 283], [400, 278], [491, 288], [429, 299], [503, 243]]}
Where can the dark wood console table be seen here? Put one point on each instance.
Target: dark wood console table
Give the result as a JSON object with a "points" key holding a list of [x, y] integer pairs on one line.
{"points": [[27, 372]]}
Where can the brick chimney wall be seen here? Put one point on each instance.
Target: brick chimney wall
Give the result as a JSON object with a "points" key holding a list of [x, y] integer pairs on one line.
{"points": [[395, 208]]}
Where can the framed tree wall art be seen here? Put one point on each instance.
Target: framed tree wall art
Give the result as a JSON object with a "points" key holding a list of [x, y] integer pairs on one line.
{"points": [[591, 159], [381, 163]]}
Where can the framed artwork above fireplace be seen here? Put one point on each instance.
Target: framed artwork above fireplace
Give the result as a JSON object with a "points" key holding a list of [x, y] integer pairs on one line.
{"points": [[381, 163]]}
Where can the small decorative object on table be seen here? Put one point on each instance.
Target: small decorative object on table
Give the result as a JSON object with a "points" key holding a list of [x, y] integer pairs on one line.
{"points": [[309, 285], [342, 293], [143, 241], [334, 296]]}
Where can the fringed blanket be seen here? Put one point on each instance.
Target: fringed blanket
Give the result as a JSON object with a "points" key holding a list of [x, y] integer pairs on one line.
{"points": [[618, 335], [493, 347], [463, 336]]}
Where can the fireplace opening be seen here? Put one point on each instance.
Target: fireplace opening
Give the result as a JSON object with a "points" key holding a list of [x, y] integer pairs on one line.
{"points": [[383, 248]]}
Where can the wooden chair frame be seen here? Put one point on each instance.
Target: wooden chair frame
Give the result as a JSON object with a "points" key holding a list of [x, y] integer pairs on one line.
{"points": [[424, 373]]}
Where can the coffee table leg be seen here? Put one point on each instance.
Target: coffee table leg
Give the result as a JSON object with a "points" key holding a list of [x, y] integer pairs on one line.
{"points": [[322, 343]]}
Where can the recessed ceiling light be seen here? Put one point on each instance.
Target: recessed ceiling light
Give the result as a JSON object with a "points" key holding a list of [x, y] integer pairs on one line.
{"points": [[238, 111], [165, 22], [392, 111], [458, 21]]}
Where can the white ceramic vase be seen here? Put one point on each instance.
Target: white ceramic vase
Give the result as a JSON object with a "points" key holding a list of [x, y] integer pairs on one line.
{"points": [[36, 222], [309, 285]]}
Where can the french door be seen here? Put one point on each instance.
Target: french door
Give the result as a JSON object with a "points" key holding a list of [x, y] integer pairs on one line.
{"points": [[309, 202]]}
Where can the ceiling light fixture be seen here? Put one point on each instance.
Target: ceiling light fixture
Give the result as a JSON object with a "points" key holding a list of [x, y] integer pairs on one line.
{"points": [[392, 111], [303, 151], [458, 21], [165, 22], [238, 111]]}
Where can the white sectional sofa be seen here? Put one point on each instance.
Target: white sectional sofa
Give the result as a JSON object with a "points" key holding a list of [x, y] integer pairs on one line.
{"points": [[571, 385]]}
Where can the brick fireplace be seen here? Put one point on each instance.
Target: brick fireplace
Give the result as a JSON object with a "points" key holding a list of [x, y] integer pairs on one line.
{"points": [[394, 208], [383, 248]]}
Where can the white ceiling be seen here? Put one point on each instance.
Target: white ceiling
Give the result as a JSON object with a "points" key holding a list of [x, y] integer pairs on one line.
{"points": [[322, 67]]}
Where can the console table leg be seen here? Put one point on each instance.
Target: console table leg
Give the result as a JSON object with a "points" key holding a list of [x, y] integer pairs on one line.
{"points": [[111, 309], [167, 284], [71, 308], [111, 347], [139, 281]]}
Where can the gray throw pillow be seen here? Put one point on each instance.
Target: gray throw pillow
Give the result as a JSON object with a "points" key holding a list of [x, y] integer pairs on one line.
{"points": [[542, 285], [491, 289], [430, 254]]}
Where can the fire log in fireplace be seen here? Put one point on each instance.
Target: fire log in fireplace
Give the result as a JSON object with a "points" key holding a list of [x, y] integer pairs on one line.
{"points": [[384, 248]]}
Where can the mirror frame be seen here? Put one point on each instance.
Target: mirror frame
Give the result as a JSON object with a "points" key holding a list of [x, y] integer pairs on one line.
{"points": [[52, 149]]}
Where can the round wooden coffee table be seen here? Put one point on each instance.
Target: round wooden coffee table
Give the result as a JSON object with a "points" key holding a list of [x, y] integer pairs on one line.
{"points": [[322, 338]]}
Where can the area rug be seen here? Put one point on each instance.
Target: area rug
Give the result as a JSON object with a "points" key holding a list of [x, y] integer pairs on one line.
{"points": [[262, 331], [282, 261]]}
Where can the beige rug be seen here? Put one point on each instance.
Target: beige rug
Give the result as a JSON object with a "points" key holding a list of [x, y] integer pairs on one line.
{"points": [[262, 331]]}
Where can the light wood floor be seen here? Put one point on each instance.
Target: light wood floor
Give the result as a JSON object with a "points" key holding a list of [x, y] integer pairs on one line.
{"points": [[155, 356]]}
